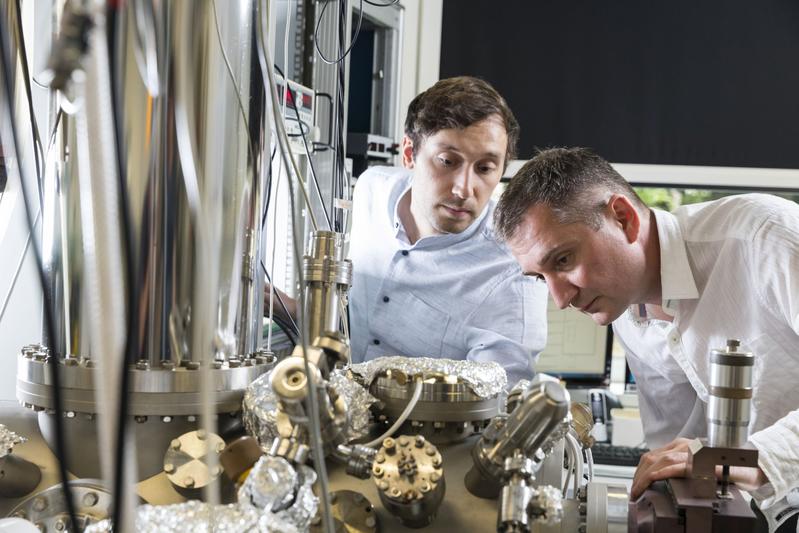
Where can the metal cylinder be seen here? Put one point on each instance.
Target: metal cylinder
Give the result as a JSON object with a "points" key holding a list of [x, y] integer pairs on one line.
{"points": [[327, 278], [730, 396]]}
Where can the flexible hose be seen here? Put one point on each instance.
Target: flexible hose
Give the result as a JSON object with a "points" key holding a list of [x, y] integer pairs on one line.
{"points": [[417, 393]]}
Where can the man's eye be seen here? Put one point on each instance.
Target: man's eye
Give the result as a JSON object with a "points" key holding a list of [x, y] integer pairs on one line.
{"points": [[485, 169], [563, 260], [444, 161], [539, 277]]}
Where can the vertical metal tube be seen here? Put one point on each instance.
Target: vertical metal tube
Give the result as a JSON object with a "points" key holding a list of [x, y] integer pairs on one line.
{"points": [[730, 396]]}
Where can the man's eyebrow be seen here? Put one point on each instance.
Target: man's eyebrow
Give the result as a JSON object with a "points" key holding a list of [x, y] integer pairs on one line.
{"points": [[446, 146]]}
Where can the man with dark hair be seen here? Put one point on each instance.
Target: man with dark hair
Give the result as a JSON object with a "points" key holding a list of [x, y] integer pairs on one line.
{"points": [[429, 278], [675, 286]]}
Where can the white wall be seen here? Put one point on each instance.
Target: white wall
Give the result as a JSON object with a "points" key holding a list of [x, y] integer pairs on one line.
{"points": [[421, 50]]}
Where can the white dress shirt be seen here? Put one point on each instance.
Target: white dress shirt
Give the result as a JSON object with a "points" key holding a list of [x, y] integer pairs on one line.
{"points": [[455, 296], [729, 270]]}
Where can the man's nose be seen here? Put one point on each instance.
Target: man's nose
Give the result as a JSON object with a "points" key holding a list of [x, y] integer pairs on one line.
{"points": [[562, 291], [463, 186]]}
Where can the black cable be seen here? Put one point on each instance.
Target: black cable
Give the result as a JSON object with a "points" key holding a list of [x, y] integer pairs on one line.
{"points": [[132, 289], [352, 43], [294, 327], [338, 182], [38, 152], [293, 105], [61, 447], [377, 4]]}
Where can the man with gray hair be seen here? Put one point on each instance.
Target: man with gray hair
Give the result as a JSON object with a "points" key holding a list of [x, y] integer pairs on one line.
{"points": [[675, 286]]}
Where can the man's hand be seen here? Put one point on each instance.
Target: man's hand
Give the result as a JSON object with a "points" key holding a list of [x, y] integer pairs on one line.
{"points": [[673, 460], [670, 461], [290, 303]]}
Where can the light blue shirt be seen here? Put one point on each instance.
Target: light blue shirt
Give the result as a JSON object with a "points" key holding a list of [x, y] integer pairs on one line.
{"points": [[455, 296]]}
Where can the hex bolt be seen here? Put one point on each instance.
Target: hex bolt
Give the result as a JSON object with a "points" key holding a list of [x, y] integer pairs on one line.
{"points": [[60, 525], [389, 444], [377, 471], [403, 441], [430, 451], [140, 419], [90, 499], [382, 485], [40, 504], [220, 446], [188, 482], [142, 364], [166, 419], [192, 365], [380, 458], [434, 477], [167, 365], [169, 468], [425, 488], [201, 434], [395, 492], [175, 444], [419, 441], [216, 365]]}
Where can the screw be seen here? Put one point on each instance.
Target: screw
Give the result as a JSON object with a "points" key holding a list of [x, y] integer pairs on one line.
{"points": [[70, 361], [333, 498], [192, 365], [403, 441], [89, 363], [377, 471], [169, 468], [70, 414], [60, 525], [382, 485], [395, 492], [140, 419], [370, 521], [142, 364], [167, 365], [166, 419], [425, 488], [216, 365], [90, 499], [40, 504], [434, 477], [380, 458], [388, 444], [201, 434], [419, 441], [430, 451], [175, 444], [188, 482], [220, 446]]}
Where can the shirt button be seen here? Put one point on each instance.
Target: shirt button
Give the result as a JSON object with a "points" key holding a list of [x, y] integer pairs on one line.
{"points": [[405, 252], [674, 339], [376, 341], [386, 299]]}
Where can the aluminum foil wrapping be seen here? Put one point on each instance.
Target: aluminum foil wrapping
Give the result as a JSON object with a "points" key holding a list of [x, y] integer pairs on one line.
{"points": [[487, 379], [260, 405], [358, 402], [9, 439], [194, 516], [199, 517], [270, 484], [259, 410]]}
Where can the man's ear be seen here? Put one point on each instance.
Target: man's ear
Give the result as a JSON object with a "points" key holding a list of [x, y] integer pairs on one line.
{"points": [[625, 215], [407, 152]]}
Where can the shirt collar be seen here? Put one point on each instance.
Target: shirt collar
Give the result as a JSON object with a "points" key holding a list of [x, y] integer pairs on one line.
{"points": [[446, 239], [676, 277]]}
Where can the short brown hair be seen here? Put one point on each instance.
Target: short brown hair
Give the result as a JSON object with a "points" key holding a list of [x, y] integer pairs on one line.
{"points": [[457, 103], [566, 180]]}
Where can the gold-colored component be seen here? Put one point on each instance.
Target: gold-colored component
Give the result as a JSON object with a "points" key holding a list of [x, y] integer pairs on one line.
{"points": [[583, 423]]}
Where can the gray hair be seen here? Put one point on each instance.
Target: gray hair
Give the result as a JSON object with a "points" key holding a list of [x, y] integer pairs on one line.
{"points": [[566, 180]]}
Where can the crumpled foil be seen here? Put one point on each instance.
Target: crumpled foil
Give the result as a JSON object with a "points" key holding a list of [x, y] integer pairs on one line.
{"points": [[8, 439], [260, 406], [270, 484], [259, 410], [487, 379], [358, 403], [194, 516]]}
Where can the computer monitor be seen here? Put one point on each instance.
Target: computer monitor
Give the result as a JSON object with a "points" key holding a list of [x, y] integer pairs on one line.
{"points": [[577, 349]]}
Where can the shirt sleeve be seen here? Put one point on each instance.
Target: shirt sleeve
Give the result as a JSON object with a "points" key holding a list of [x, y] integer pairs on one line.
{"points": [[510, 327], [776, 273]]}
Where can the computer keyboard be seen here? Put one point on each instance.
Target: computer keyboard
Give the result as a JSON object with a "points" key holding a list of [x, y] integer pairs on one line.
{"points": [[607, 454]]}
